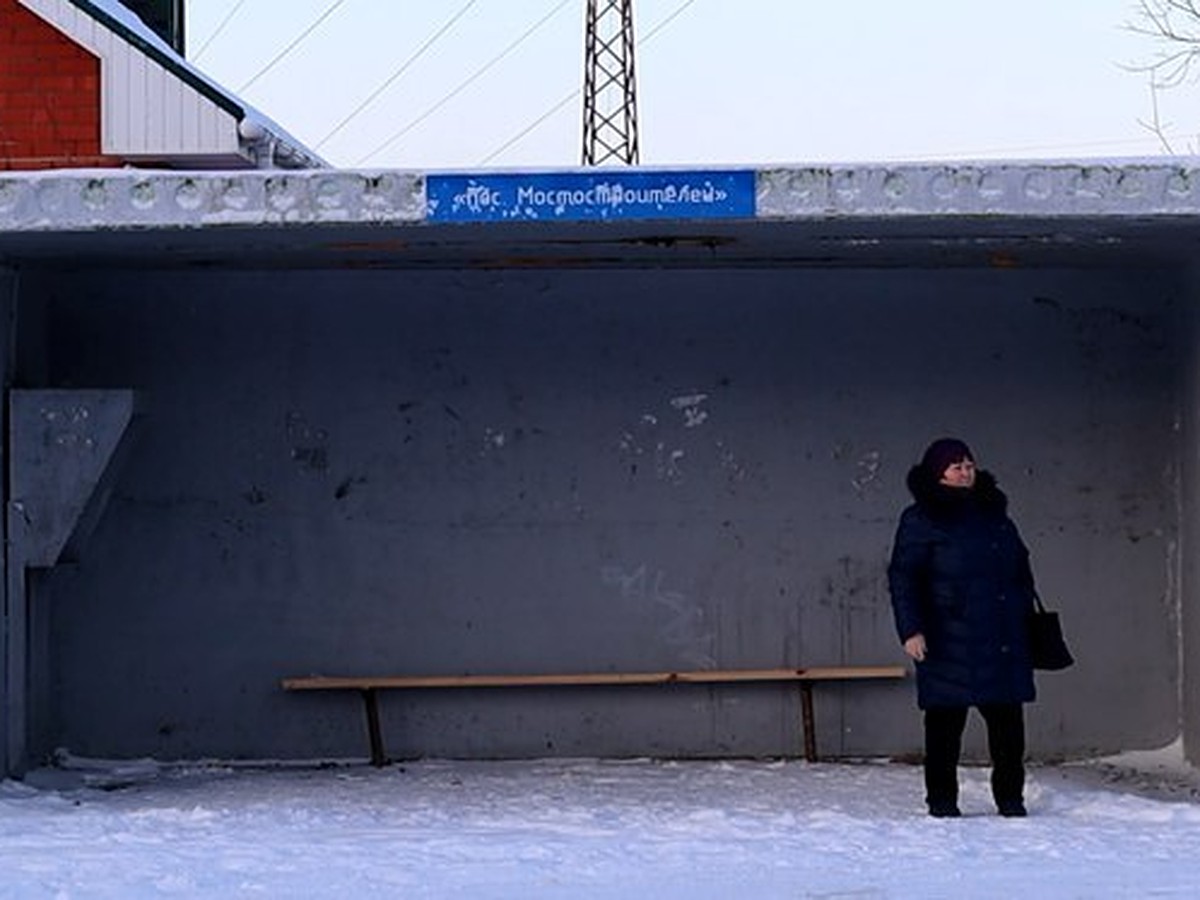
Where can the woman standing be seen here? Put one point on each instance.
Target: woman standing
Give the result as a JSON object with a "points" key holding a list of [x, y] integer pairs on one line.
{"points": [[962, 590]]}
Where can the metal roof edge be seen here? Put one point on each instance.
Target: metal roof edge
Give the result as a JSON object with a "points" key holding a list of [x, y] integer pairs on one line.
{"points": [[168, 61]]}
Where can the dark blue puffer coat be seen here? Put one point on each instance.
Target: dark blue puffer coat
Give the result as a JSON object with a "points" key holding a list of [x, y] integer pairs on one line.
{"points": [[960, 575]]}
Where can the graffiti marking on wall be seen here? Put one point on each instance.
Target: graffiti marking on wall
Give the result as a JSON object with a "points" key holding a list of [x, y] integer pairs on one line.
{"points": [[646, 440], [683, 627], [867, 471], [309, 448], [689, 405]]}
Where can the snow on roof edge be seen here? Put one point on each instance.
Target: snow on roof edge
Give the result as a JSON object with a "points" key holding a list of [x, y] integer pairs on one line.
{"points": [[68, 199]]}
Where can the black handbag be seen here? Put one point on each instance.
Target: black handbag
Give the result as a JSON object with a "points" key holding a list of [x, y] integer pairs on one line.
{"points": [[1047, 647]]}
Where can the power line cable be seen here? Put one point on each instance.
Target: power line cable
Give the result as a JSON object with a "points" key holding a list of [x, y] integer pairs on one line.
{"points": [[976, 155], [216, 31], [396, 74], [292, 46], [463, 85], [575, 93], [665, 22], [531, 126]]}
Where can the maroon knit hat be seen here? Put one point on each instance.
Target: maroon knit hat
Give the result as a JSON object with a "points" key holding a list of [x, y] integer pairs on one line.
{"points": [[942, 454]]}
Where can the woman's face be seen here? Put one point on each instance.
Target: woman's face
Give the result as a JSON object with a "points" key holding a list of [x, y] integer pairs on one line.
{"points": [[960, 474]]}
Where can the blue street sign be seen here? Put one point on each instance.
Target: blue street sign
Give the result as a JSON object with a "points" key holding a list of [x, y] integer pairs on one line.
{"points": [[589, 196]]}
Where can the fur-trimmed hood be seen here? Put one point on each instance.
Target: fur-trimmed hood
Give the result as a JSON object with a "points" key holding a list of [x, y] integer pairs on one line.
{"points": [[941, 502]]}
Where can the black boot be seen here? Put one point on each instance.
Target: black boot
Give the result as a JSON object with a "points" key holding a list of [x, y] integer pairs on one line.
{"points": [[944, 810]]}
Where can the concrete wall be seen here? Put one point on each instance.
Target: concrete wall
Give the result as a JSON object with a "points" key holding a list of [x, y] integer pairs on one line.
{"points": [[480, 471]]}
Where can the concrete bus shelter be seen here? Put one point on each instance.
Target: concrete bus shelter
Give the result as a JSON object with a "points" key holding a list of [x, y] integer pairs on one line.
{"points": [[261, 425]]}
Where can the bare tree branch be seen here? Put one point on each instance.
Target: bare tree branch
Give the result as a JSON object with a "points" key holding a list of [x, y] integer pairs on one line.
{"points": [[1175, 26], [1155, 126]]}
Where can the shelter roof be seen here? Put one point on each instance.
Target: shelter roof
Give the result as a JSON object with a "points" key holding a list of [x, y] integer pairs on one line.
{"points": [[999, 214]]}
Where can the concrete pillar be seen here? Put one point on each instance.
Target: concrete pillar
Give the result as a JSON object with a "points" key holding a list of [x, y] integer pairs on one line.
{"points": [[61, 444], [8, 289], [1189, 504]]}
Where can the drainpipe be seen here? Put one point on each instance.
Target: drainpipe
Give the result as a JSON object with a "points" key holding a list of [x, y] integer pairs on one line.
{"points": [[258, 143]]}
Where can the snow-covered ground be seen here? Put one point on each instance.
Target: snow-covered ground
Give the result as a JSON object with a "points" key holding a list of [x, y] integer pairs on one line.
{"points": [[594, 829]]}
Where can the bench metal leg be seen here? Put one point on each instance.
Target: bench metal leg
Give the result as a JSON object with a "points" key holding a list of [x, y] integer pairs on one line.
{"points": [[809, 721], [374, 732]]}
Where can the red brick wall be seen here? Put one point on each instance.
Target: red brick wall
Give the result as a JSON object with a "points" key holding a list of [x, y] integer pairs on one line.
{"points": [[49, 96]]}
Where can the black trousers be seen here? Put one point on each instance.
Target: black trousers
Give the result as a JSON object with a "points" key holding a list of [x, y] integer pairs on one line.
{"points": [[1006, 745]]}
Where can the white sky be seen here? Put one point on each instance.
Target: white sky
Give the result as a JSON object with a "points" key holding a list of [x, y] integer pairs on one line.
{"points": [[724, 81]]}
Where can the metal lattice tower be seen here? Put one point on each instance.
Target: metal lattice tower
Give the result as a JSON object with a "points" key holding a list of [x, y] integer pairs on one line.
{"points": [[609, 91]]}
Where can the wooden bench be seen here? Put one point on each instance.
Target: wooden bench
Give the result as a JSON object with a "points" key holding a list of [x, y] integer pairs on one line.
{"points": [[369, 688]]}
